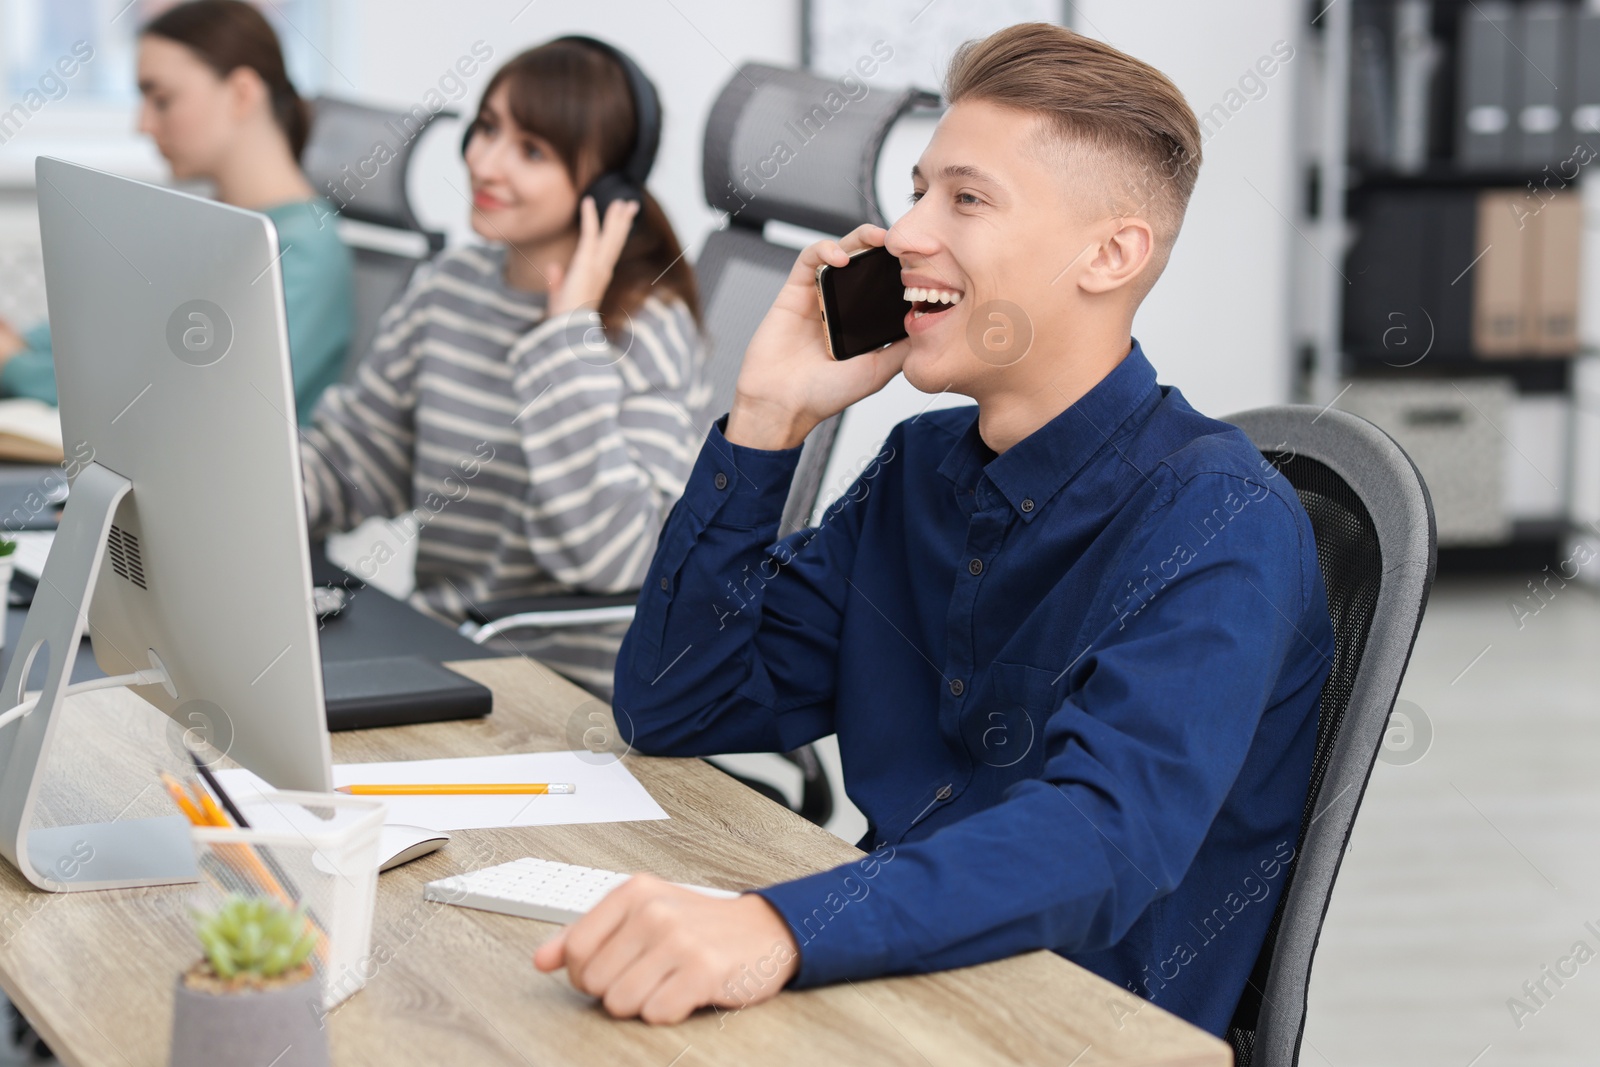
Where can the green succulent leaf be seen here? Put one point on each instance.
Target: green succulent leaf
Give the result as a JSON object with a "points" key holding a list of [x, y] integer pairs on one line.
{"points": [[255, 936]]}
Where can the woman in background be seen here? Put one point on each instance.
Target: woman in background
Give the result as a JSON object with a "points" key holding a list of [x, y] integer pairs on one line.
{"points": [[535, 405], [220, 108]]}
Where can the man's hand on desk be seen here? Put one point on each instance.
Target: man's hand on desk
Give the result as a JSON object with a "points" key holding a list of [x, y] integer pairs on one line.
{"points": [[659, 951]]}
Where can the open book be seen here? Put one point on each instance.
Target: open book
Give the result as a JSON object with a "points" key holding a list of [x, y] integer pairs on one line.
{"points": [[30, 432]]}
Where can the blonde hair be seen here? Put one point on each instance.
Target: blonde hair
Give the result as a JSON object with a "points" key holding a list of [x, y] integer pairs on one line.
{"points": [[1112, 117]]}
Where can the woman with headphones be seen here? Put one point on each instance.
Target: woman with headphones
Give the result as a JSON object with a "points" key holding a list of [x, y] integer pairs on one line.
{"points": [[535, 405], [220, 107]]}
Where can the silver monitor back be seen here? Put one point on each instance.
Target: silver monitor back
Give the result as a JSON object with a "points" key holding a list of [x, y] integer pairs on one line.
{"points": [[172, 365]]}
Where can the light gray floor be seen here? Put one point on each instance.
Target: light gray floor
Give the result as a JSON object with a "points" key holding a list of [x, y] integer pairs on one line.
{"points": [[1477, 865]]}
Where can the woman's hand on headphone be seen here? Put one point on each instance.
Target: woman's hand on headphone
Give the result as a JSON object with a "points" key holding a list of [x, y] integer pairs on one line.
{"points": [[583, 282], [788, 382]]}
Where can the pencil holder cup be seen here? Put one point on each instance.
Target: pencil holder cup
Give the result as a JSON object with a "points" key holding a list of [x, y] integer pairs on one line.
{"points": [[316, 852]]}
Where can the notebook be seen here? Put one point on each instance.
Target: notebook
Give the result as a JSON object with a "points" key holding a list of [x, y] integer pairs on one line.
{"points": [[30, 432], [398, 691]]}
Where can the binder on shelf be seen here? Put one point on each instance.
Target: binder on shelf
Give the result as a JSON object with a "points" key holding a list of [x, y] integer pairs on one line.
{"points": [[1450, 251], [1584, 116], [1381, 306], [1416, 59], [1371, 133], [1552, 276], [1545, 37], [1408, 296], [1498, 327], [1486, 85]]}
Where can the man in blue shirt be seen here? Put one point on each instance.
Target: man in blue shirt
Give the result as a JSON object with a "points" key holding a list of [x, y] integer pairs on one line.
{"points": [[1071, 641]]}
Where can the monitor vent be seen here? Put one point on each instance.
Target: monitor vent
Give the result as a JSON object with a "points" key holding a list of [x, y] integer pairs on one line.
{"points": [[123, 548]]}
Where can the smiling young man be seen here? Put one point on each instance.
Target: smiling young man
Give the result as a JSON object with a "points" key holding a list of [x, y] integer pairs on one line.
{"points": [[1071, 641]]}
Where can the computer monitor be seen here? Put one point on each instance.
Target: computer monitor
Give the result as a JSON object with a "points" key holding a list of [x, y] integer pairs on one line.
{"points": [[172, 365]]}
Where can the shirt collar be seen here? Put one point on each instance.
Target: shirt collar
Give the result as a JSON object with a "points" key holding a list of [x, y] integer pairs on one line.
{"points": [[1032, 471]]}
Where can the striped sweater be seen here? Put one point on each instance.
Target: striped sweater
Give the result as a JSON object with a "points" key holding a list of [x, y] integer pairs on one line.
{"points": [[536, 456]]}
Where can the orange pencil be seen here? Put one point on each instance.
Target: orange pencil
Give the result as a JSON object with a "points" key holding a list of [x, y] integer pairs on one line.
{"points": [[180, 797], [209, 806]]}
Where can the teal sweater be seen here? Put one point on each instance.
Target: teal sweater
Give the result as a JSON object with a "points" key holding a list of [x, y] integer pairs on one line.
{"points": [[318, 294]]}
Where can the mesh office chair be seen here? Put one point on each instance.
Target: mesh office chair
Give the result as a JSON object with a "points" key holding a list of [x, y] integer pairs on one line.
{"points": [[825, 181], [375, 217], [1373, 522]]}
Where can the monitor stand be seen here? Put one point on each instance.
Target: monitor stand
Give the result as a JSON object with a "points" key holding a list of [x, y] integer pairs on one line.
{"points": [[106, 855]]}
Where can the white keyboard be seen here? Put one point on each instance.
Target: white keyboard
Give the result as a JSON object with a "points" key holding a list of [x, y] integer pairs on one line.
{"points": [[536, 889]]}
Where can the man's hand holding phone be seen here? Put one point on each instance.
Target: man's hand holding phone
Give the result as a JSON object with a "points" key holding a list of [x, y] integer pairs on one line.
{"points": [[788, 382]]}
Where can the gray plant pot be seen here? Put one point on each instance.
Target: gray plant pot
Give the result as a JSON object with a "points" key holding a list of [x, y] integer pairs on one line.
{"points": [[282, 1027]]}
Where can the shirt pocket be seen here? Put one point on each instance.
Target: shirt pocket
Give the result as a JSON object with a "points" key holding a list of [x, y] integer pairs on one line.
{"points": [[1006, 730]]}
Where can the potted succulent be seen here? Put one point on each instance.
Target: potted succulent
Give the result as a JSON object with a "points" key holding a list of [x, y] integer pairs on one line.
{"points": [[254, 997]]}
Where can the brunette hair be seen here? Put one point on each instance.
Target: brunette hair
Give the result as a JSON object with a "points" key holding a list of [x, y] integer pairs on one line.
{"points": [[229, 34], [1120, 119], [577, 98]]}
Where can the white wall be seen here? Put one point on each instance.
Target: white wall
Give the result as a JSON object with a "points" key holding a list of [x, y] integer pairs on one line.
{"points": [[1217, 323]]}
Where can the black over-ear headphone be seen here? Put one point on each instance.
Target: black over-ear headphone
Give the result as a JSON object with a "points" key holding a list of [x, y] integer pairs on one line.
{"points": [[628, 182]]}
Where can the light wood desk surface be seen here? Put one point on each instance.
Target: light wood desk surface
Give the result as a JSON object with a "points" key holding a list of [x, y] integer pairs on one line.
{"points": [[94, 971]]}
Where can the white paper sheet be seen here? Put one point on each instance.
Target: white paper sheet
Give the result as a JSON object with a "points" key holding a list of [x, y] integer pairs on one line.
{"points": [[607, 792]]}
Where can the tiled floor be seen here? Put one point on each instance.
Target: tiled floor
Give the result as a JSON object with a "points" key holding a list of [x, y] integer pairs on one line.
{"points": [[1474, 867]]}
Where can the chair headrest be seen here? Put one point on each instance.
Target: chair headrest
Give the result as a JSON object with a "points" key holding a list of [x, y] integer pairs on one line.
{"points": [[357, 157], [791, 146]]}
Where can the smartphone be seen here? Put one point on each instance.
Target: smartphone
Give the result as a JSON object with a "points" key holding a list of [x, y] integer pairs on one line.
{"points": [[863, 303]]}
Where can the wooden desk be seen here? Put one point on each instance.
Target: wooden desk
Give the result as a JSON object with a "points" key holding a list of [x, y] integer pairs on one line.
{"points": [[94, 971]]}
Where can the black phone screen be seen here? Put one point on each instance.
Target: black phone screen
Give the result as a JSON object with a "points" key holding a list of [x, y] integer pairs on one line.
{"points": [[864, 303]]}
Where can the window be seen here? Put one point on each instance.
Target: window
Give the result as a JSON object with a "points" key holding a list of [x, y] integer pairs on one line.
{"points": [[34, 34]]}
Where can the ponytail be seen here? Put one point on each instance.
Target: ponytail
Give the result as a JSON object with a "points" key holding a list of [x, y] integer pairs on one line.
{"points": [[293, 114]]}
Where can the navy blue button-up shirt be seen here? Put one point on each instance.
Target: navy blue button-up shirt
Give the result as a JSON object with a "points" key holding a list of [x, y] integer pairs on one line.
{"points": [[1075, 685]]}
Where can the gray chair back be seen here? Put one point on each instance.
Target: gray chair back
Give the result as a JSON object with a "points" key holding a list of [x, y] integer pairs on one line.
{"points": [[1376, 546], [376, 219], [823, 178]]}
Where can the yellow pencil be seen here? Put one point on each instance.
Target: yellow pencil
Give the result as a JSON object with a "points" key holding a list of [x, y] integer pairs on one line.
{"points": [[186, 804], [464, 789], [209, 807]]}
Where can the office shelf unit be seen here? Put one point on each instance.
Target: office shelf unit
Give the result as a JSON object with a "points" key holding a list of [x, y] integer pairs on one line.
{"points": [[1384, 141]]}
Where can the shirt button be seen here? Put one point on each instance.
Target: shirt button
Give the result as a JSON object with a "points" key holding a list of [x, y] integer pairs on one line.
{"points": [[957, 687], [1027, 503], [976, 566], [943, 794], [721, 480], [666, 583]]}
